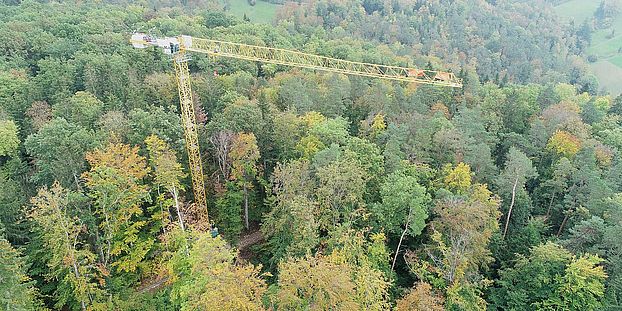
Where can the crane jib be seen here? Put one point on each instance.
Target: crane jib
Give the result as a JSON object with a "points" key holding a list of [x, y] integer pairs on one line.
{"points": [[179, 46], [310, 61]]}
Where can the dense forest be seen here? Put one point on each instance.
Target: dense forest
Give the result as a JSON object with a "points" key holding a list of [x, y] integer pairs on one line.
{"points": [[329, 192]]}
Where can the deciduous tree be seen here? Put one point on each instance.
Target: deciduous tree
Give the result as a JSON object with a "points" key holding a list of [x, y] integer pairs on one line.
{"points": [[168, 172], [403, 208], [115, 184], [421, 298], [59, 149], [70, 263], [316, 283], [208, 279], [564, 143], [10, 140], [564, 282], [292, 225], [244, 155], [82, 108], [16, 289], [518, 169]]}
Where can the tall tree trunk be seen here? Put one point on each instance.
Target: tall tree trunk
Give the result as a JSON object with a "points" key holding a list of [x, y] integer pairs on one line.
{"points": [[77, 274], [399, 244], [246, 207], [561, 227], [507, 220], [71, 250], [108, 237], [180, 216], [548, 211], [77, 181], [98, 247]]}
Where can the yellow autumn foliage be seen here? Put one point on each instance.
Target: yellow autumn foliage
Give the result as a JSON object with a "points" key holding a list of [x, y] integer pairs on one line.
{"points": [[564, 143], [458, 178]]}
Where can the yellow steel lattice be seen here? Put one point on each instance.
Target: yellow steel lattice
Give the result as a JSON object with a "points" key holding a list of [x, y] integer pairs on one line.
{"points": [[180, 45], [190, 130], [316, 62]]}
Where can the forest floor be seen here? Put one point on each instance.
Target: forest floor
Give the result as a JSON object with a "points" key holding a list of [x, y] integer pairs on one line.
{"points": [[247, 240], [608, 68]]}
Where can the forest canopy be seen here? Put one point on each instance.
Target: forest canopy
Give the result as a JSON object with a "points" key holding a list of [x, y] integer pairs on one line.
{"points": [[329, 192]]}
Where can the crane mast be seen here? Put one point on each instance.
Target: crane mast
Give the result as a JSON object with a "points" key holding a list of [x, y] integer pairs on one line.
{"points": [[178, 47], [188, 118]]}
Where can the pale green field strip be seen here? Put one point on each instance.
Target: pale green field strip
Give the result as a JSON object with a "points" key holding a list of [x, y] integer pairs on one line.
{"points": [[609, 76], [604, 47], [261, 12], [579, 10]]}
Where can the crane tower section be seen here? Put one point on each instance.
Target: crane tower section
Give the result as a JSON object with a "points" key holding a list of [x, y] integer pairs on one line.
{"points": [[174, 47], [178, 47]]}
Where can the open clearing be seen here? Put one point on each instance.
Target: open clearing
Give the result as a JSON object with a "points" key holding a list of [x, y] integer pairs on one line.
{"points": [[609, 76], [261, 12], [579, 10]]}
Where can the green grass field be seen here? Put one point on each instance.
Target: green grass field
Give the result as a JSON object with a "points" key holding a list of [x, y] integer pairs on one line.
{"points": [[579, 10], [608, 69], [606, 47], [609, 76], [261, 12], [617, 60]]}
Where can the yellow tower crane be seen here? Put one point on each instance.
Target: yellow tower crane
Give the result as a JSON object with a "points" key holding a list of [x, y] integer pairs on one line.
{"points": [[178, 47]]}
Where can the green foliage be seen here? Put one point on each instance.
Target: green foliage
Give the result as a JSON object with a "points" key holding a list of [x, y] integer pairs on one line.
{"points": [[16, 289], [341, 186], [430, 167], [244, 155], [331, 131], [114, 183], [164, 123], [551, 279], [227, 212], [10, 140], [13, 197], [13, 94], [82, 109], [240, 116], [367, 255], [581, 288], [403, 202], [69, 263], [519, 242], [168, 172], [214, 282], [168, 175], [292, 224], [59, 149], [287, 130], [511, 182], [458, 247]]}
